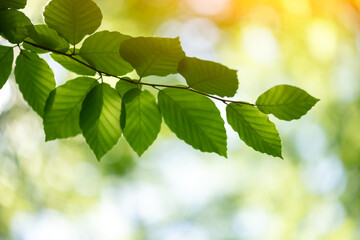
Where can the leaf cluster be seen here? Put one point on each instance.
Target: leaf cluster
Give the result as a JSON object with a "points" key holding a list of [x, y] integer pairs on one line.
{"points": [[102, 114]]}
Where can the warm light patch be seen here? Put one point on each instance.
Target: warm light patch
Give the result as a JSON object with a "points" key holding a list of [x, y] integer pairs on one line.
{"points": [[208, 7], [298, 7], [260, 44], [322, 40]]}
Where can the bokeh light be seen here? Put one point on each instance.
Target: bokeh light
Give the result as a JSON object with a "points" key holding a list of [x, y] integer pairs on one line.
{"points": [[57, 190]]}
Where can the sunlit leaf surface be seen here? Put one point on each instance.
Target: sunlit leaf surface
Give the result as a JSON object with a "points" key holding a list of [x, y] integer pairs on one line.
{"points": [[62, 112], [101, 50], [209, 77], [15, 26], [73, 19], [100, 119], [286, 102], [194, 119], [143, 120], [152, 56], [35, 79], [6, 60], [12, 4], [254, 128]]}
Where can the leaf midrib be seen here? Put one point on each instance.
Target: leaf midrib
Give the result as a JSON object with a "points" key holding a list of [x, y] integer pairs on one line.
{"points": [[280, 104], [247, 123], [199, 126], [157, 55]]}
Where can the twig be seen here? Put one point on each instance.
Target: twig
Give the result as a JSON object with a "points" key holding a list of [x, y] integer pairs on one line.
{"points": [[155, 86]]}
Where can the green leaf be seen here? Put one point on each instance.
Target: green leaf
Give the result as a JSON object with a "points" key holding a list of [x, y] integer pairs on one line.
{"points": [[153, 56], [193, 118], [15, 26], [62, 112], [17, 4], [286, 102], [123, 87], [28, 46], [122, 116], [143, 120], [6, 60], [209, 77], [73, 19], [254, 128], [100, 119], [101, 50], [35, 79], [72, 65], [48, 38]]}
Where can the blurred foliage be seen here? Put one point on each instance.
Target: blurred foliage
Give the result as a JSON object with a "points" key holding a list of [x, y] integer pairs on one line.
{"points": [[57, 190]]}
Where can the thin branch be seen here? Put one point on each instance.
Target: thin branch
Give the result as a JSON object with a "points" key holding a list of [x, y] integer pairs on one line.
{"points": [[139, 81], [101, 77], [155, 86], [64, 54], [22, 51]]}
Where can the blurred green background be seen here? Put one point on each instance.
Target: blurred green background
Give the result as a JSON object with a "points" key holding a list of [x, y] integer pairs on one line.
{"points": [[57, 190]]}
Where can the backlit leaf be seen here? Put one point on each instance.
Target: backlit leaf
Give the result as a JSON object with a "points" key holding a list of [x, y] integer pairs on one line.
{"points": [[286, 102], [15, 26], [153, 56], [17, 4], [62, 114], [72, 65], [100, 119], [48, 38], [254, 128], [209, 77], [73, 19], [143, 119], [35, 79], [193, 118], [101, 50], [6, 60], [28, 45], [123, 86]]}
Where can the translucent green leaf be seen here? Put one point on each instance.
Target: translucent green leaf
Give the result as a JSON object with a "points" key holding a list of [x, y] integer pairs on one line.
{"points": [[15, 26], [143, 120], [62, 112], [123, 86], [153, 56], [209, 77], [27, 44], [35, 79], [286, 102], [6, 60], [73, 19], [72, 65], [123, 116], [17, 4], [101, 50], [254, 128], [48, 38], [193, 118], [100, 119]]}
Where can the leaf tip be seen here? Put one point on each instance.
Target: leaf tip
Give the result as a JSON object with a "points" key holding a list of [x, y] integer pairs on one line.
{"points": [[223, 154], [98, 156], [48, 139], [278, 153], [139, 153]]}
